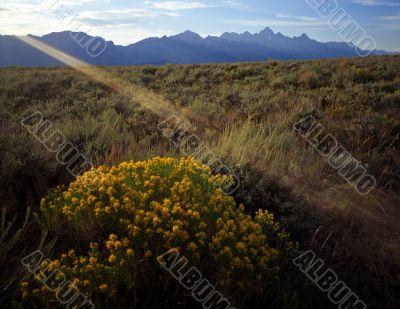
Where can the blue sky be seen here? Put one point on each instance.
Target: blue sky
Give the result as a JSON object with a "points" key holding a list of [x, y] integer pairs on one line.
{"points": [[125, 21]]}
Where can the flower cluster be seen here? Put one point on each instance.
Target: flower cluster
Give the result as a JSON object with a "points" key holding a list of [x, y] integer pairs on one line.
{"points": [[142, 209]]}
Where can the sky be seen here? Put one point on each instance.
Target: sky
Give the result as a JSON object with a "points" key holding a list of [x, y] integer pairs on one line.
{"points": [[128, 21]]}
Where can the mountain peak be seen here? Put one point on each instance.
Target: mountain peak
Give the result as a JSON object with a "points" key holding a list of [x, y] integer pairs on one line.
{"points": [[266, 33], [279, 35], [188, 32], [304, 36], [188, 35], [229, 35], [267, 30]]}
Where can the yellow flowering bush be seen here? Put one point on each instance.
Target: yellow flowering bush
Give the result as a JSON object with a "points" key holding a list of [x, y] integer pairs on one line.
{"points": [[138, 211]]}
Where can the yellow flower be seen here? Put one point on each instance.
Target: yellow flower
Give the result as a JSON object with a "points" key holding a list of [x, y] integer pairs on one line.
{"points": [[59, 276], [86, 282], [109, 244], [89, 267], [25, 294], [125, 242], [75, 282], [236, 262], [24, 284], [92, 260], [112, 258], [113, 237], [147, 254], [192, 246], [103, 287], [129, 252]]}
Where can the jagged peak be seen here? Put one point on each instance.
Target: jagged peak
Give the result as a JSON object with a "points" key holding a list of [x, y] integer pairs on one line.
{"points": [[188, 35], [191, 33], [266, 30], [304, 36]]}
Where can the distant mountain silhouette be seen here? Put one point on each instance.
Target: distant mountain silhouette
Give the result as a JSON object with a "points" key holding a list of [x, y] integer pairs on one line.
{"points": [[186, 47]]}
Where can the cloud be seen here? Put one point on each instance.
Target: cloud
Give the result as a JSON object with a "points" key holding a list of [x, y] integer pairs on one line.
{"points": [[2, 9], [392, 27], [176, 5], [120, 17], [70, 2], [21, 6], [273, 22], [391, 22], [232, 3], [393, 17], [120, 31], [375, 3], [300, 18], [120, 25]]}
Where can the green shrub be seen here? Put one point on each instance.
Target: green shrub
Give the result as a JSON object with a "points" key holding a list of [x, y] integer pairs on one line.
{"points": [[361, 75], [310, 79]]}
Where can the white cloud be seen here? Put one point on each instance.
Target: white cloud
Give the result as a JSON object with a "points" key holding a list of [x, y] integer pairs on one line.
{"points": [[375, 3], [273, 22], [120, 31], [232, 3], [309, 19], [21, 6], [301, 18], [393, 17], [391, 22], [44, 5], [282, 16], [68, 2], [23, 22], [176, 5], [392, 27], [123, 26], [120, 17]]}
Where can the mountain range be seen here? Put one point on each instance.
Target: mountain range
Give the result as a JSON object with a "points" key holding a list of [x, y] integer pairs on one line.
{"points": [[184, 48]]}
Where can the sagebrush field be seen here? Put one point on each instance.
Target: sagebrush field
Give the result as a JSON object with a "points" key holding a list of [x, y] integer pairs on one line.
{"points": [[292, 200]]}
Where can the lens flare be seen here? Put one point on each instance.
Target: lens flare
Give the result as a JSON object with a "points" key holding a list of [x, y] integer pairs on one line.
{"points": [[135, 93]]}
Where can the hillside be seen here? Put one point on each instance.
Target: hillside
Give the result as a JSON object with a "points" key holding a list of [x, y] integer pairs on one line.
{"points": [[245, 113]]}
